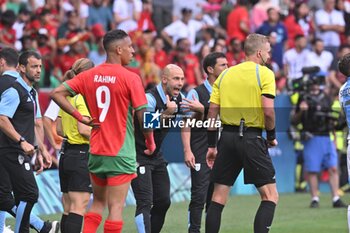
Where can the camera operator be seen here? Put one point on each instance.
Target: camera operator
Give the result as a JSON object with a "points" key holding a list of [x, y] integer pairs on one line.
{"points": [[314, 112]]}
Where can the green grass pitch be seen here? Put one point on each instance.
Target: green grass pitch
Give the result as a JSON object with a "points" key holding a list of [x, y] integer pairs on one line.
{"points": [[292, 215]]}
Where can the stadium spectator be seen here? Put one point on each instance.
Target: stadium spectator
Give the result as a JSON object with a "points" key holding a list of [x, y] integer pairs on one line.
{"points": [[336, 78], [162, 13], [207, 37], [182, 28], [295, 58], [73, 169], [259, 13], [112, 162], [243, 120], [22, 19], [188, 62], [330, 23], [77, 49], [98, 56], [238, 21], [319, 57], [160, 56], [152, 185], [127, 14], [195, 140], [98, 13], [235, 53], [274, 27], [71, 24], [7, 33], [299, 23]]}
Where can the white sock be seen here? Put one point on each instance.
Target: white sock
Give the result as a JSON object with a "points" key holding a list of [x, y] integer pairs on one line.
{"points": [[316, 198], [349, 217], [336, 198]]}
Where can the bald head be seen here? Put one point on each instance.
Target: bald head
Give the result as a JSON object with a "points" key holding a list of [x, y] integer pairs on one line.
{"points": [[172, 79], [171, 68]]}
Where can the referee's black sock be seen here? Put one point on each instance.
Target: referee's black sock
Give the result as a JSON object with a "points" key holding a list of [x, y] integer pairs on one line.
{"points": [[213, 218], [73, 223], [264, 217], [63, 223]]}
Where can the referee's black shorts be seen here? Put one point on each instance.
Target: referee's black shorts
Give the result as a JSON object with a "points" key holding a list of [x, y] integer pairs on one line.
{"points": [[249, 152], [73, 169]]}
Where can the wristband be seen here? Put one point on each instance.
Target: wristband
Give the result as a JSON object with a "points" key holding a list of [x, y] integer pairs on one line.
{"points": [[212, 138], [271, 134], [77, 115]]}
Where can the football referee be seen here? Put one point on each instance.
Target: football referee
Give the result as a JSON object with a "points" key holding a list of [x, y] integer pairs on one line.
{"points": [[244, 95]]}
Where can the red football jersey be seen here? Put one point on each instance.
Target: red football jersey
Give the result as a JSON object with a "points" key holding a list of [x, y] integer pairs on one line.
{"points": [[110, 90]]}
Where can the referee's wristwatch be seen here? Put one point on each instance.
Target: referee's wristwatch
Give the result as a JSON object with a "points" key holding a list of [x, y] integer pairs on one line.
{"points": [[21, 139]]}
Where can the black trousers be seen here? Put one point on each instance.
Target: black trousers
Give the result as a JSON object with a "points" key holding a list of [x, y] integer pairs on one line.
{"points": [[152, 193], [201, 192], [17, 175]]}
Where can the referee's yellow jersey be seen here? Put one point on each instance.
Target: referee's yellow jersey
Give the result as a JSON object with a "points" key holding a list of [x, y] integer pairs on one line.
{"points": [[70, 124], [238, 91]]}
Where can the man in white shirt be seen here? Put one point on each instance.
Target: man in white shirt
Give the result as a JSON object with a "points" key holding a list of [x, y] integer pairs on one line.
{"points": [[184, 28], [330, 23], [319, 57], [296, 58]]}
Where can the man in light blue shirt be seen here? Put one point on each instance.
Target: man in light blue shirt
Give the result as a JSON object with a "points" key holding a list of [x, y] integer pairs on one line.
{"points": [[344, 99]]}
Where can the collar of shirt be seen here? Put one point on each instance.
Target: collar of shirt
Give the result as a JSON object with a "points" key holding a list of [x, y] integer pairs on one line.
{"points": [[161, 92], [19, 79], [208, 86]]}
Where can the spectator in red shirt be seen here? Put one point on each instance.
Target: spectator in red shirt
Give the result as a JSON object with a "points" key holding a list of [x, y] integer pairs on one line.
{"points": [[77, 49], [7, 33], [238, 21], [188, 62], [299, 23], [235, 54], [160, 56]]}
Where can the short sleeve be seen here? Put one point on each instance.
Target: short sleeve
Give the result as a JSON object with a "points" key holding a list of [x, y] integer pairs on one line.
{"points": [[137, 94], [268, 85], [52, 111], [76, 85], [151, 103], [215, 95], [9, 102], [81, 106]]}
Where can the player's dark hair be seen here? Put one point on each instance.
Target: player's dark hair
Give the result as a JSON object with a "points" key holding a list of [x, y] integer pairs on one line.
{"points": [[10, 55], [23, 58], [344, 65], [211, 60], [113, 36]]}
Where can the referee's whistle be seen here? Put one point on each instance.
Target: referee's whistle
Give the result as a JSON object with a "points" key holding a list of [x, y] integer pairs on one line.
{"points": [[241, 127]]}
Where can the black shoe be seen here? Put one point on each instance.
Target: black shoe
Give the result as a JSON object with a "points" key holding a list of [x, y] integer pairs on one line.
{"points": [[51, 227], [339, 204], [314, 204]]}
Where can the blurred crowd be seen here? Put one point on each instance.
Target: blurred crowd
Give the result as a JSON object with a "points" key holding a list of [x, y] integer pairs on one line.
{"points": [[302, 33]]}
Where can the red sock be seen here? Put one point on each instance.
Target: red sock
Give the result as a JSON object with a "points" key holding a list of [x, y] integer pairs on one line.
{"points": [[91, 222], [113, 226]]}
